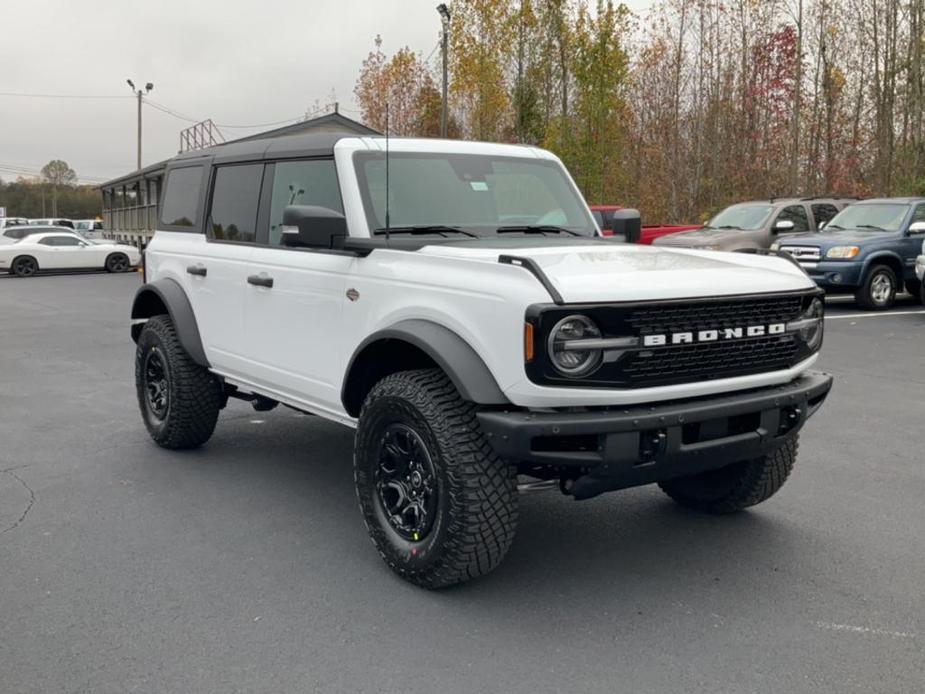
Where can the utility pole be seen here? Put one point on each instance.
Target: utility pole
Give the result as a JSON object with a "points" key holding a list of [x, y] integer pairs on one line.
{"points": [[445, 19], [139, 94]]}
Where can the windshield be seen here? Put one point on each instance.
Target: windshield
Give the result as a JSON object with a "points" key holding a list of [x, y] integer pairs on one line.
{"points": [[747, 215], [871, 216], [472, 194]]}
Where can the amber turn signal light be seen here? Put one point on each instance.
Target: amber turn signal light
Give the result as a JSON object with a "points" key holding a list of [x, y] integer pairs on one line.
{"points": [[528, 342]]}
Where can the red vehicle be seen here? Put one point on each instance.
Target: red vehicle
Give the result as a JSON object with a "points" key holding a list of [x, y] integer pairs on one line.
{"points": [[604, 215]]}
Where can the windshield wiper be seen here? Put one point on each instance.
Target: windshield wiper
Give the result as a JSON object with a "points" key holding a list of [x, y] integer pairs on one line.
{"points": [[870, 226], [832, 226], [536, 229], [726, 226], [424, 229]]}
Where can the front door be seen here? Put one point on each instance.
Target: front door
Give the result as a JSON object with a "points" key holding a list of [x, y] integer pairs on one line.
{"points": [[293, 308]]}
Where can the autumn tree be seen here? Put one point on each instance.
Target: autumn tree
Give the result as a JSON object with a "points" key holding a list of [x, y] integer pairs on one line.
{"points": [[58, 174]]}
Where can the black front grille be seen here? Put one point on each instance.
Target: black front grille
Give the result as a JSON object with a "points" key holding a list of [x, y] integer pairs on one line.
{"points": [[698, 360], [706, 315], [709, 360]]}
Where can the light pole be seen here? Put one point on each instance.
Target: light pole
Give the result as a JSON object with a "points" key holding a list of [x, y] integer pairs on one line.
{"points": [[445, 18], [139, 93]]}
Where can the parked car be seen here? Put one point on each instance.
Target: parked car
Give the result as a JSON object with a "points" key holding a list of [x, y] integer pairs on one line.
{"points": [[755, 225], [59, 251], [868, 249], [604, 216], [13, 222], [90, 228], [53, 222], [466, 318]]}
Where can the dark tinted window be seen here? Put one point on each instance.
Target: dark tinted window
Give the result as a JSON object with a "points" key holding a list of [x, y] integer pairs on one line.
{"points": [[181, 197], [233, 215], [823, 212], [66, 241], [797, 215], [918, 215], [302, 183]]}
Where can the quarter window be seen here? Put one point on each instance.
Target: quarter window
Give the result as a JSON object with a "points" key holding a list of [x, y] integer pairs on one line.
{"points": [[302, 183], [181, 197], [235, 198], [797, 215]]}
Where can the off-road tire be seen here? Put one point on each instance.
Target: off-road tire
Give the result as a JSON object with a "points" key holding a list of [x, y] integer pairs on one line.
{"points": [[863, 296], [194, 395], [24, 266], [738, 486], [476, 512], [117, 262]]}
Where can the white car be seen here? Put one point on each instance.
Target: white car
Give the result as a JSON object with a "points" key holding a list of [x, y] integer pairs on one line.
{"points": [[920, 272], [64, 251], [13, 222], [456, 305], [89, 228]]}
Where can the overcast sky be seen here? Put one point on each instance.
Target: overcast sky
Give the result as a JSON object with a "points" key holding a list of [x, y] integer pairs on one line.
{"points": [[239, 62]]}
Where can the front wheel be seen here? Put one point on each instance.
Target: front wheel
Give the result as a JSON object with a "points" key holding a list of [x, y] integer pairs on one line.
{"points": [[179, 399], [439, 505], [24, 266], [879, 289], [737, 486]]}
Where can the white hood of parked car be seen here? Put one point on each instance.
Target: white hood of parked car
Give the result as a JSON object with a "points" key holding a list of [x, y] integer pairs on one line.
{"points": [[589, 273]]}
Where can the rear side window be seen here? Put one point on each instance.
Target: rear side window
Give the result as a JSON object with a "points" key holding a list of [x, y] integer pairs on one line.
{"points": [[235, 198], [797, 215], [311, 182], [181, 197], [823, 212]]}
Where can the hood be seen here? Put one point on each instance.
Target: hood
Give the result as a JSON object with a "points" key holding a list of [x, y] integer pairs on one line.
{"points": [[618, 272], [702, 237], [827, 239]]}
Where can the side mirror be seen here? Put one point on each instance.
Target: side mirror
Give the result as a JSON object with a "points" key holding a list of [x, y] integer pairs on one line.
{"points": [[821, 226], [627, 225], [309, 226], [783, 225], [917, 229]]}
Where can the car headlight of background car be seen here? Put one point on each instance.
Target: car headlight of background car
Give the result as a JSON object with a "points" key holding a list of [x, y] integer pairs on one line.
{"points": [[810, 324], [569, 358], [842, 252]]}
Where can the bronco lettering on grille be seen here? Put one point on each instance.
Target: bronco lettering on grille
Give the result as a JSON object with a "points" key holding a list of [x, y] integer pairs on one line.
{"points": [[713, 335]]}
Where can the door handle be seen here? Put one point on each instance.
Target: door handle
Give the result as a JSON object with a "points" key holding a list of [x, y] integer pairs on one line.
{"points": [[199, 270], [260, 281]]}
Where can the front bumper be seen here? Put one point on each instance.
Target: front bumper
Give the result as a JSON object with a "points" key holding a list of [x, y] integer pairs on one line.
{"points": [[835, 274], [626, 447]]}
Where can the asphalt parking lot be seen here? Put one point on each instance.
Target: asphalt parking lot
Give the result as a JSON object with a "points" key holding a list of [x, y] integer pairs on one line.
{"points": [[245, 566]]}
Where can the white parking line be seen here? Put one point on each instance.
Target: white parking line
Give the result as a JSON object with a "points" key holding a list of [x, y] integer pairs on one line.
{"points": [[876, 315]]}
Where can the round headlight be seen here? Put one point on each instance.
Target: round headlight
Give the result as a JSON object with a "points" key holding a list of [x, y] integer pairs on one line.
{"points": [[565, 350], [812, 333]]}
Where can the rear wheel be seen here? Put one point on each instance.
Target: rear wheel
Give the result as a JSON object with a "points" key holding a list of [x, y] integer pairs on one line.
{"points": [[439, 505], [179, 399], [879, 289], [117, 262], [24, 266], [737, 486]]}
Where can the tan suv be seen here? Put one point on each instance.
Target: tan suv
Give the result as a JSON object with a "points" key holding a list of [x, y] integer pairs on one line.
{"points": [[750, 226]]}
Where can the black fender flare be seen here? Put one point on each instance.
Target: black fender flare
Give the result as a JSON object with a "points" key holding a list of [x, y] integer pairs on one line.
{"points": [[168, 293], [449, 351]]}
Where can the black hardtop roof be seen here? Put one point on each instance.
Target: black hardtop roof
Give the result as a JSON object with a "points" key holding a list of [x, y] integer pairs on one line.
{"points": [[304, 145]]}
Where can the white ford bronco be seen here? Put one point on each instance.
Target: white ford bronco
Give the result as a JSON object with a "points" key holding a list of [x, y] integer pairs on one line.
{"points": [[455, 303]]}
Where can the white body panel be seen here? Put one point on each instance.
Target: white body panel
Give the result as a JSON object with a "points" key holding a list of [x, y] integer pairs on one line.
{"points": [[294, 342]]}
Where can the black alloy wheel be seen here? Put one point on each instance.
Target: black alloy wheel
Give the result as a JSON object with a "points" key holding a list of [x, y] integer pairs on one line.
{"points": [[156, 384], [117, 262], [406, 483], [25, 266]]}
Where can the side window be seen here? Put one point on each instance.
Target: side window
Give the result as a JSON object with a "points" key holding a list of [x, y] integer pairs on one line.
{"points": [[598, 217], [181, 197], [67, 241], [302, 183], [797, 215], [918, 215], [235, 198], [823, 212], [48, 241]]}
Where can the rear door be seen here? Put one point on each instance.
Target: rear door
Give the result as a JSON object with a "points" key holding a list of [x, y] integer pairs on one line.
{"points": [[293, 328]]}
